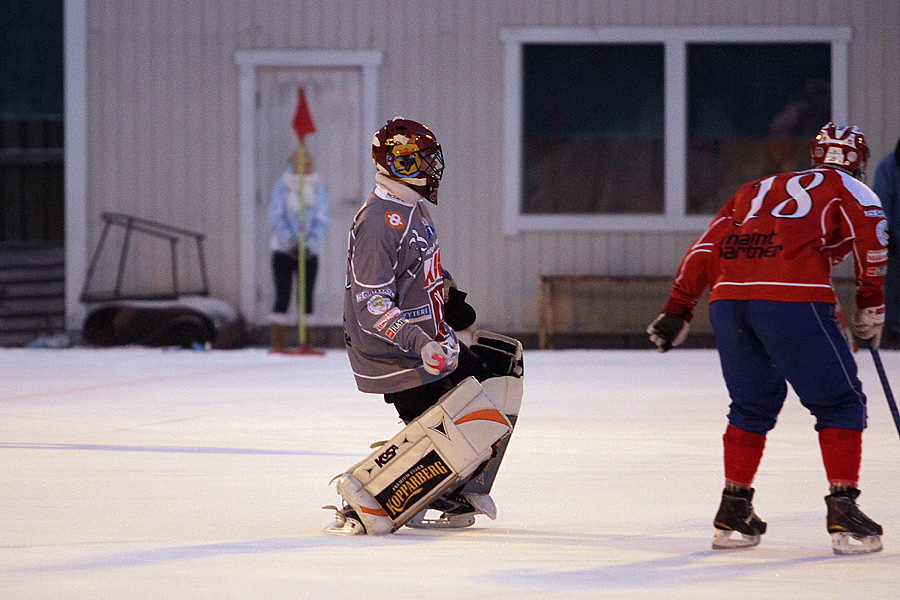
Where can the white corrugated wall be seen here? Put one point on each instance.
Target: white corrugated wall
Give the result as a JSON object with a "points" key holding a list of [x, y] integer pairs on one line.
{"points": [[163, 116]]}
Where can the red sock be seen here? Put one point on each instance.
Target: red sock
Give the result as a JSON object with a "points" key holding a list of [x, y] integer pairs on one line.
{"points": [[743, 453], [842, 455]]}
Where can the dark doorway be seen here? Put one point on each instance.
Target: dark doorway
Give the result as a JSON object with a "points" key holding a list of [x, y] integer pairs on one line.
{"points": [[31, 123]]}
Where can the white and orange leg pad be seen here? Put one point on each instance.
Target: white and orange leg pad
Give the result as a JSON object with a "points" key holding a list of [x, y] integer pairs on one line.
{"points": [[431, 455], [504, 354]]}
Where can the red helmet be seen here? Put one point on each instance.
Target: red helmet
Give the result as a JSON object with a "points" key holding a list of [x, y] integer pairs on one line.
{"points": [[841, 146], [407, 151]]}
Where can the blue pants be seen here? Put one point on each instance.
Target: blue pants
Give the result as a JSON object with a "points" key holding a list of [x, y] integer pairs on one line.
{"points": [[764, 345]]}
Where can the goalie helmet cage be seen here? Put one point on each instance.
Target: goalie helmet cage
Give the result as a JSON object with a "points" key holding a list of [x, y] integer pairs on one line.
{"points": [[131, 225]]}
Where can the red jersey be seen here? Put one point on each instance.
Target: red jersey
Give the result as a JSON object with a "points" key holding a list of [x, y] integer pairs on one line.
{"points": [[778, 238]]}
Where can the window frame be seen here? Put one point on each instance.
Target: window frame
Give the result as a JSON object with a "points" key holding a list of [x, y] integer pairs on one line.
{"points": [[675, 41]]}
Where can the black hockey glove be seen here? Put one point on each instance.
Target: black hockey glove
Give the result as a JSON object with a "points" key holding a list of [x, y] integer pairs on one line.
{"points": [[668, 330], [458, 313]]}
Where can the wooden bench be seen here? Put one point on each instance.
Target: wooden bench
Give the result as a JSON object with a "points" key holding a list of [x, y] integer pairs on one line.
{"points": [[614, 310]]}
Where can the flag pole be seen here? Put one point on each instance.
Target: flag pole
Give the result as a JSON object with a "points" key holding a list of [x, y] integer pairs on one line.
{"points": [[301, 247], [303, 125]]}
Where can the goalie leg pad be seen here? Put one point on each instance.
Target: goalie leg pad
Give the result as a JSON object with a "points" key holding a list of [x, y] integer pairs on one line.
{"points": [[373, 516], [506, 392], [432, 454], [504, 355]]}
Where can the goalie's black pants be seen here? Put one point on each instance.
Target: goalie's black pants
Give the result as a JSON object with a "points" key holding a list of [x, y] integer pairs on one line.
{"points": [[413, 402]]}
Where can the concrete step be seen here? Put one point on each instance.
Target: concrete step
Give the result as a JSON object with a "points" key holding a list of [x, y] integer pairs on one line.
{"points": [[32, 289], [29, 257], [32, 294], [52, 272], [32, 323]]}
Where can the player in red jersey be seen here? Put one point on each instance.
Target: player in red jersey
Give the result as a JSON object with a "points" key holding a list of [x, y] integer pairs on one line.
{"points": [[767, 257]]}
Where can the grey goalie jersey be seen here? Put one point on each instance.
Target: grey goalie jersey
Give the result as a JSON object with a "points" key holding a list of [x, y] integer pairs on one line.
{"points": [[393, 302]]}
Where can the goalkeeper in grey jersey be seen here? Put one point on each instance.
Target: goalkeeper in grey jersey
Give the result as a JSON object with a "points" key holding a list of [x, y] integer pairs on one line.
{"points": [[401, 307]]}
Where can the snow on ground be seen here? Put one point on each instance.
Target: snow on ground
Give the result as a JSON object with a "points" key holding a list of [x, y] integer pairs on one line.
{"points": [[144, 474]]}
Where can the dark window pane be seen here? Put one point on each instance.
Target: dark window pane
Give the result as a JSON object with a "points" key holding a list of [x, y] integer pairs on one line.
{"points": [[593, 118], [31, 57], [752, 110], [31, 126]]}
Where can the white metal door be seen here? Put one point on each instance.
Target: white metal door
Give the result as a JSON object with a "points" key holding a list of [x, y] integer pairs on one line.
{"points": [[334, 96]]}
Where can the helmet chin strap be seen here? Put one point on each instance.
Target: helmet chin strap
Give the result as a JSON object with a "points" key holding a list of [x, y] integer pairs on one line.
{"points": [[429, 193], [426, 191]]}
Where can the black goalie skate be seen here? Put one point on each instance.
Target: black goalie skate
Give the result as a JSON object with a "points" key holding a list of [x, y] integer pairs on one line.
{"points": [[736, 515], [852, 532]]}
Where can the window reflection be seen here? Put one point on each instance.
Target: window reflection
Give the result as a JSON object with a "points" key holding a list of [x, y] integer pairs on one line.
{"points": [[752, 110], [593, 128]]}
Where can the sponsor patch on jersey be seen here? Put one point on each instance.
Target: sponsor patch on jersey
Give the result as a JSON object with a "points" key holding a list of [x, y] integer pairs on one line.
{"points": [[877, 271], [392, 331], [414, 484], [394, 220], [875, 213], [874, 256], [365, 294], [429, 230], [386, 317], [418, 314], [881, 232], [749, 245], [378, 304], [418, 242]]}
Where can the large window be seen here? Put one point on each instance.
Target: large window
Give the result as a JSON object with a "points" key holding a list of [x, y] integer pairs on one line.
{"points": [[654, 129], [580, 123]]}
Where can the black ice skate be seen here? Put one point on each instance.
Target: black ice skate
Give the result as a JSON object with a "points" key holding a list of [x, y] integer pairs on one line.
{"points": [[736, 514], [346, 522], [852, 532]]}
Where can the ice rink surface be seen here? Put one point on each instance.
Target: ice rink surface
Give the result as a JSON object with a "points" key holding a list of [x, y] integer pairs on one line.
{"points": [[147, 474]]}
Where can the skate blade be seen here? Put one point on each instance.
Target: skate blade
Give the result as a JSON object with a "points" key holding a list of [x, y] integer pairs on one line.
{"points": [[420, 521], [722, 540], [846, 543]]}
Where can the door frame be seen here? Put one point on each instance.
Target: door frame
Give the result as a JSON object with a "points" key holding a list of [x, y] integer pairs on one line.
{"points": [[250, 62], [75, 119]]}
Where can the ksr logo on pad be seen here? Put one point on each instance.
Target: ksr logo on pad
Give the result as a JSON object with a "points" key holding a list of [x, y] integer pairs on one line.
{"points": [[386, 456]]}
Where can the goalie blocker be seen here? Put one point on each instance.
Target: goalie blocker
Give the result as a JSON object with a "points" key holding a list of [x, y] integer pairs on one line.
{"points": [[434, 453]]}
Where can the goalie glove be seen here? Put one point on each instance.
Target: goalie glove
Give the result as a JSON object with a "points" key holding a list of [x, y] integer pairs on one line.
{"points": [[868, 323], [668, 330], [437, 357], [458, 313]]}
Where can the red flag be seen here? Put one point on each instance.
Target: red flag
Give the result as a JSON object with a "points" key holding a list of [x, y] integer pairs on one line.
{"points": [[302, 124]]}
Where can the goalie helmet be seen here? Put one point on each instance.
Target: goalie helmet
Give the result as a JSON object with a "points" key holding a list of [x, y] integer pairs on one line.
{"points": [[408, 152], [841, 146]]}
